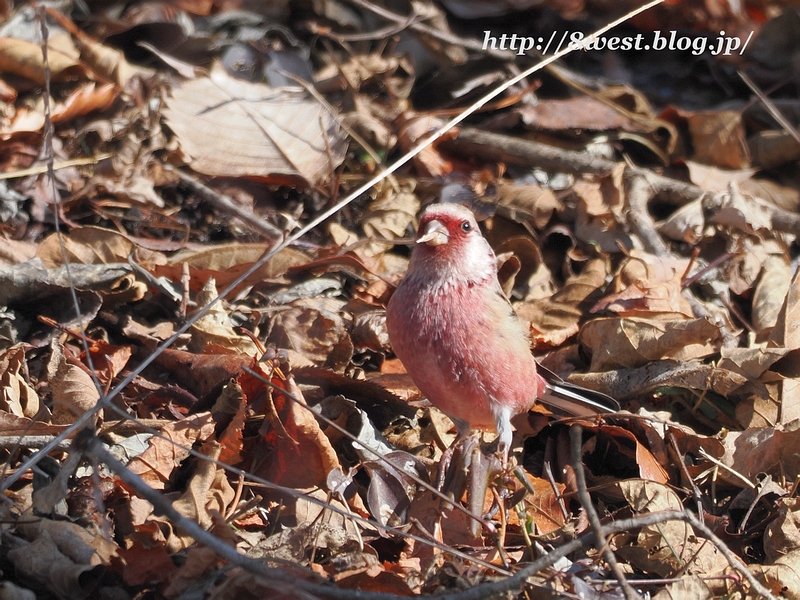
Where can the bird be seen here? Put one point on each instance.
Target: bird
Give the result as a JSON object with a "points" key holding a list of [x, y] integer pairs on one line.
{"points": [[458, 337]]}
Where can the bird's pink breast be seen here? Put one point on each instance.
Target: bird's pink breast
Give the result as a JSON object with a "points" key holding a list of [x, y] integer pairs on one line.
{"points": [[464, 349]]}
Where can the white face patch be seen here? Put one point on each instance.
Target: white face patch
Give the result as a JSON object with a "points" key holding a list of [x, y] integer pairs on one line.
{"points": [[478, 255]]}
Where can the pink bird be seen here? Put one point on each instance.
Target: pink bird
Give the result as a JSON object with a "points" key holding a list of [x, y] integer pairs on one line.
{"points": [[459, 338]]}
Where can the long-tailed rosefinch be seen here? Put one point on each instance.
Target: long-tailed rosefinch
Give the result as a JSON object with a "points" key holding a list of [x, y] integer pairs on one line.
{"points": [[459, 338]]}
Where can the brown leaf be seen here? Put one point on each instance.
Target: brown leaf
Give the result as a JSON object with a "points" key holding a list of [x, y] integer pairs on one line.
{"points": [[581, 112], [686, 224], [14, 252], [228, 127], [16, 426], [718, 138], [770, 294], [601, 232], [716, 179], [783, 577], [79, 544], [214, 329], [783, 534], [166, 452], [7, 93], [654, 299], [786, 334], [627, 384], [108, 62], [376, 396], [689, 444], [632, 342], [770, 149], [789, 390], [315, 330], [733, 209], [225, 262], [413, 129], [304, 457], [83, 101], [750, 362], [16, 394], [554, 320], [200, 561], [208, 492], [522, 202], [665, 548], [391, 215], [762, 450], [146, 565], [643, 266], [450, 526], [231, 438], [92, 246], [42, 561], [25, 58], [390, 583], [74, 390], [522, 266], [692, 586], [201, 374], [393, 72], [108, 360], [629, 455], [543, 507]]}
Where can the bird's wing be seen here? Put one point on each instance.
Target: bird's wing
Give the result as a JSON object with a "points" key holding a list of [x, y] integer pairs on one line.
{"points": [[573, 400], [563, 397]]}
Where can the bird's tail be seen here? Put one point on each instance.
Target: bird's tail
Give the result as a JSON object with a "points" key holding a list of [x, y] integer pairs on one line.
{"points": [[572, 400]]}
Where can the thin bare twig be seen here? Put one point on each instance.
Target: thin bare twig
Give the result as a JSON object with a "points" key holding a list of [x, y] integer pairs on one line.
{"points": [[770, 106], [280, 580], [333, 424], [517, 581], [725, 467], [29, 441], [698, 498], [226, 204], [293, 493], [576, 442], [62, 164]]}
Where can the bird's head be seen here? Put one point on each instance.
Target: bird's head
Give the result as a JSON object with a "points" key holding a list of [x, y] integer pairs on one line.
{"points": [[450, 243]]}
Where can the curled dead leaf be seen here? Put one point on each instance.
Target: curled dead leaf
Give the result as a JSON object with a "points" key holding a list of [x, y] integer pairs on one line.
{"points": [[16, 394], [74, 390]]}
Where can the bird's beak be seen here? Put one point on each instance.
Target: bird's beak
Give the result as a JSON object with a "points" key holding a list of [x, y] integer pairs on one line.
{"points": [[435, 234]]}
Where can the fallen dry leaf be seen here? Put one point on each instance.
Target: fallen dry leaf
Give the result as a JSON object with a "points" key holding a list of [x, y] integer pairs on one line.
{"points": [[74, 390], [632, 342], [170, 448], [253, 130], [17, 396]]}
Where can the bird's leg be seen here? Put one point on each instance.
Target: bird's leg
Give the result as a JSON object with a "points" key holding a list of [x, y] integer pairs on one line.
{"points": [[481, 468], [504, 433], [466, 467], [469, 471]]}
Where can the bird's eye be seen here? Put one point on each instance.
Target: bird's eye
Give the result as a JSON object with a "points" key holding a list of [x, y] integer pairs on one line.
{"points": [[465, 226]]}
